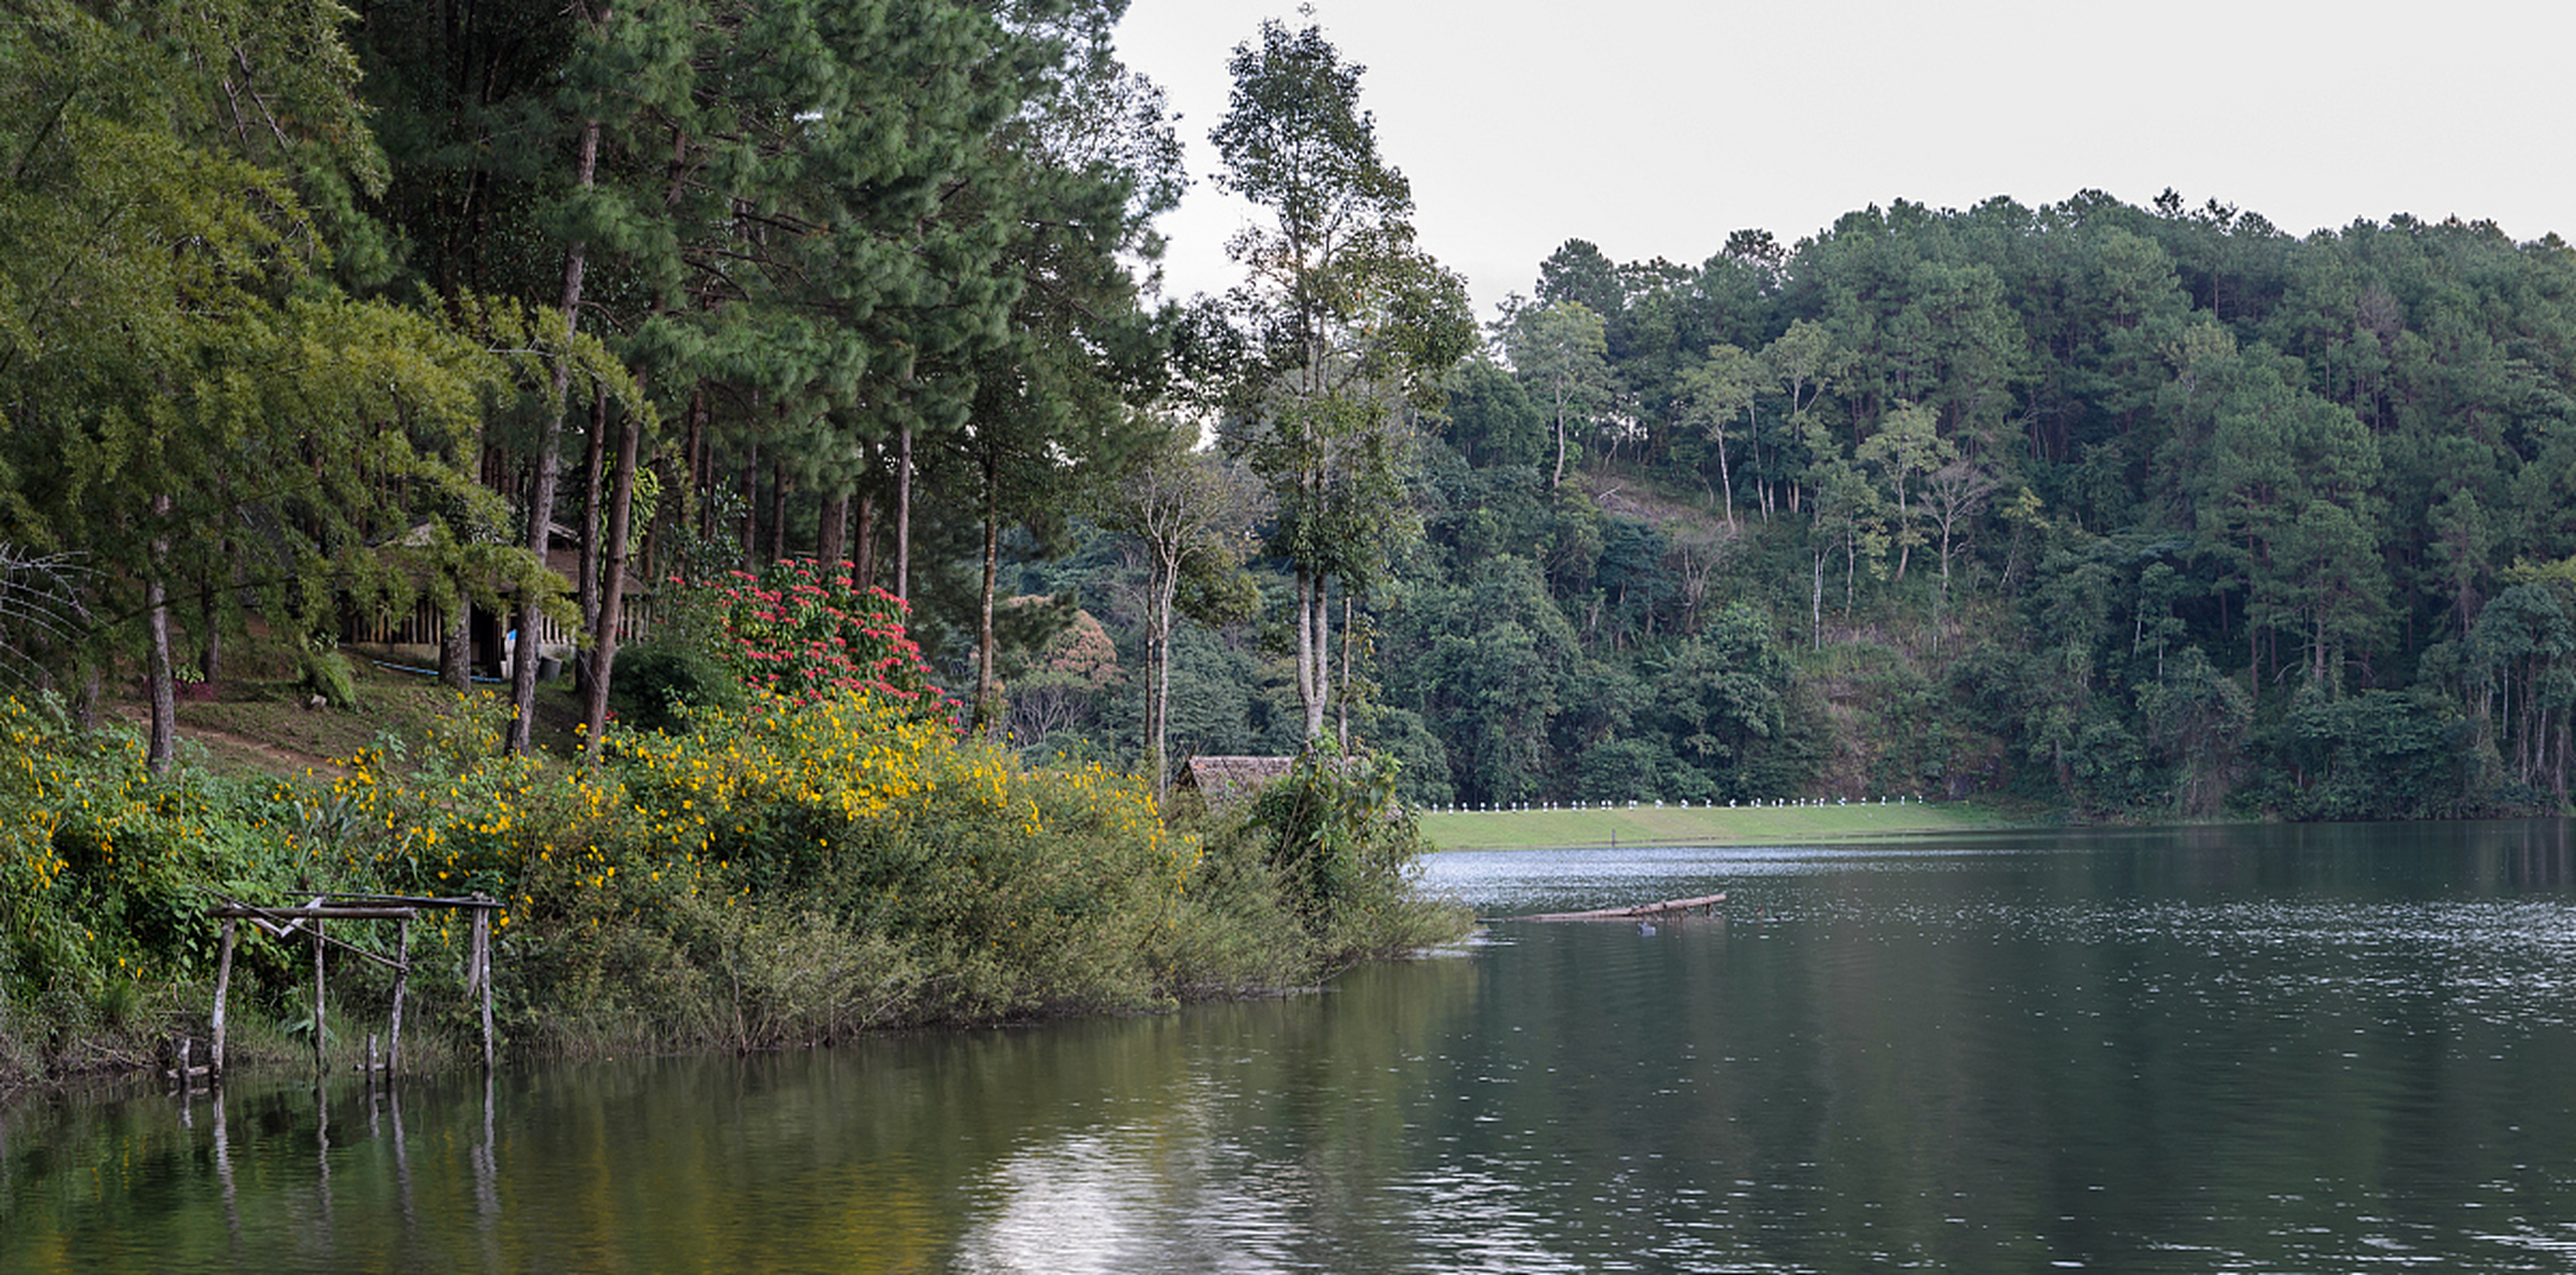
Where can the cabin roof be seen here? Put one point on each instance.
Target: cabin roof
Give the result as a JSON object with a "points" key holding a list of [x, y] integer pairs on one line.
{"points": [[1224, 780]]}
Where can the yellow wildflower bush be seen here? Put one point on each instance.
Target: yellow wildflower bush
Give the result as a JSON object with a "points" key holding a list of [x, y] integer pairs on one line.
{"points": [[106, 872], [1009, 889], [1027, 890], [982, 886]]}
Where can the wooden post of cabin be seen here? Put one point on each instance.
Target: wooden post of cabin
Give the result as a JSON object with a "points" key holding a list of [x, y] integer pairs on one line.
{"points": [[483, 970], [317, 996], [223, 983], [402, 975]]}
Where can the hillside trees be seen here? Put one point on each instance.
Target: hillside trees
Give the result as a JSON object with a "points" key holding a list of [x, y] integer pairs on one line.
{"points": [[2220, 514], [1495, 663], [1559, 350], [1714, 391]]}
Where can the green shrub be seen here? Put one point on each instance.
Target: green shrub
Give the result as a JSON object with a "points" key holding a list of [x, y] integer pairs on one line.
{"points": [[1346, 855], [328, 674], [658, 685]]}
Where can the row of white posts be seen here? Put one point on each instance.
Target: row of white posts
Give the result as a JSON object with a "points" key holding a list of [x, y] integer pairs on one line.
{"points": [[1525, 807]]}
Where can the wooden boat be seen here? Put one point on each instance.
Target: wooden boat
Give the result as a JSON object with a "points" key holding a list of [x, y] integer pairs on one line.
{"points": [[1670, 907]]}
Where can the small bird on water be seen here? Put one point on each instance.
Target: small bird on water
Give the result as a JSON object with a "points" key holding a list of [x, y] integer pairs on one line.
{"points": [[1645, 927]]}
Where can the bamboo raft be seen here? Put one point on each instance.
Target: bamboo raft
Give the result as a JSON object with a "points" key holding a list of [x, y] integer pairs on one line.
{"points": [[1641, 912]]}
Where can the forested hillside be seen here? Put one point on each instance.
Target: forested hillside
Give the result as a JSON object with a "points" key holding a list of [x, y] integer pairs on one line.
{"points": [[2144, 511], [312, 317]]}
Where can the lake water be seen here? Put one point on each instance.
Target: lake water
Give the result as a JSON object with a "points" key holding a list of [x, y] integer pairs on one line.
{"points": [[2203, 1050]]}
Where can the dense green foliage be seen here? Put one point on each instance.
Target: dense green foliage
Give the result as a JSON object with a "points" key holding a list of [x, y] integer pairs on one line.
{"points": [[2132, 512]]}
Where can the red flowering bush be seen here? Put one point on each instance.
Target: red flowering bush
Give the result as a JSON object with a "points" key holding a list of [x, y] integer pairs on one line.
{"points": [[802, 630]]}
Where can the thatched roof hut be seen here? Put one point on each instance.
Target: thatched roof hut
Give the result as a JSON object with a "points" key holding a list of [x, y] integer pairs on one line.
{"points": [[1222, 781]]}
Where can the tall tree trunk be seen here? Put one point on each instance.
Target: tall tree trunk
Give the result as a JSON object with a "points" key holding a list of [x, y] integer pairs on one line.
{"points": [[85, 704], [982, 722], [1558, 479], [831, 531], [777, 510], [2560, 777], [1158, 670], [541, 494], [867, 537], [612, 591], [903, 515], [1726, 479], [1314, 648], [163, 745], [1314, 711], [1344, 708], [456, 638], [1323, 647], [210, 661], [749, 532], [594, 458]]}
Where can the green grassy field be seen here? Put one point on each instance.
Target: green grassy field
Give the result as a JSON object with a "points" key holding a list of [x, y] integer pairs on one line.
{"points": [[1699, 825]]}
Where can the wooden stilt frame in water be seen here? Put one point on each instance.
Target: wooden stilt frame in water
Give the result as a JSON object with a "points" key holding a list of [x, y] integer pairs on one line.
{"points": [[308, 918]]}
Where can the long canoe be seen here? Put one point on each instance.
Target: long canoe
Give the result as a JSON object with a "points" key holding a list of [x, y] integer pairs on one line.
{"points": [[1669, 907]]}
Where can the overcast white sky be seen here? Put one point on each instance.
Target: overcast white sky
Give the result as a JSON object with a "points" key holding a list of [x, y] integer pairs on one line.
{"points": [[1654, 127]]}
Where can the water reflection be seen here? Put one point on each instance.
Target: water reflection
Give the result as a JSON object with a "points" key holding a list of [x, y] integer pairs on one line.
{"points": [[2155, 1050]]}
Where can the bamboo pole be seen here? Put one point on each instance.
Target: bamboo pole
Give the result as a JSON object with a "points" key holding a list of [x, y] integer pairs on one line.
{"points": [[402, 979], [292, 917], [223, 983], [318, 1062], [483, 972]]}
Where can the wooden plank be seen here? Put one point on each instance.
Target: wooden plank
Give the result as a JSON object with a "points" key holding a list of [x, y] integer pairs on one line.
{"points": [[282, 922], [324, 912], [413, 900]]}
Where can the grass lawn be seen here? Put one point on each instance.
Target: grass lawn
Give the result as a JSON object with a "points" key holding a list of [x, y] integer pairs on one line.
{"points": [[260, 721], [1699, 825]]}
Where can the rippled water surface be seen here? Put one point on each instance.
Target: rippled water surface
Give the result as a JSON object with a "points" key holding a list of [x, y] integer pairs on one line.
{"points": [[2232, 1049]]}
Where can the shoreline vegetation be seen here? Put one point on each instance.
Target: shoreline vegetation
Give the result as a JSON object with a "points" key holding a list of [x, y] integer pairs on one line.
{"points": [[1652, 825], [786, 873]]}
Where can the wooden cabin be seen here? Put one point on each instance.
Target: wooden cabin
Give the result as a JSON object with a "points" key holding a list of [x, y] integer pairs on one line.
{"points": [[412, 638]]}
